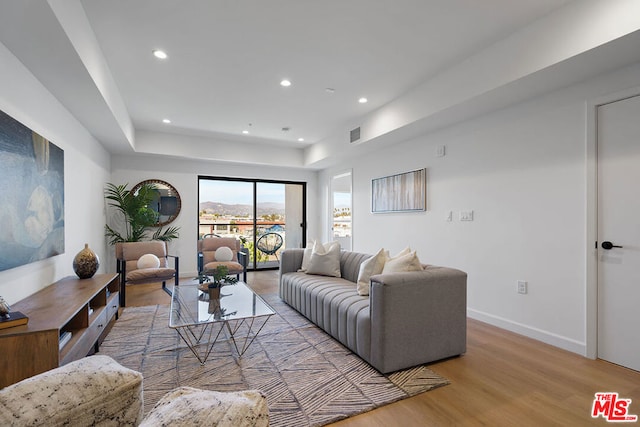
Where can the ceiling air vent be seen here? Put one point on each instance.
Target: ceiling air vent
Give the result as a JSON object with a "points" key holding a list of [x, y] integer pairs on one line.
{"points": [[355, 135]]}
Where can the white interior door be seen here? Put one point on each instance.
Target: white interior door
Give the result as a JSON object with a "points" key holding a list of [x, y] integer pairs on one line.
{"points": [[619, 232]]}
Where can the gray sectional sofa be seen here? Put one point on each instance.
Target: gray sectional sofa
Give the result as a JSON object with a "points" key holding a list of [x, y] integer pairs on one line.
{"points": [[408, 319]]}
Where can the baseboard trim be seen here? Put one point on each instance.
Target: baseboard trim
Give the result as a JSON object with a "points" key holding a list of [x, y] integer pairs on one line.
{"points": [[555, 340]]}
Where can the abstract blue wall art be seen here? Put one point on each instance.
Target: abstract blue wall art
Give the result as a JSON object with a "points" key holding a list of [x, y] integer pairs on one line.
{"points": [[31, 195]]}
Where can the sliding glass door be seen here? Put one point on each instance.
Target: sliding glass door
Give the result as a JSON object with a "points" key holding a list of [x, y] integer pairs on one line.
{"points": [[268, 216]]}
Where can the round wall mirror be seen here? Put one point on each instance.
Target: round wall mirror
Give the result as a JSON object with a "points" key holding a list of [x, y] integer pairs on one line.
{"points": [[166, 201]]}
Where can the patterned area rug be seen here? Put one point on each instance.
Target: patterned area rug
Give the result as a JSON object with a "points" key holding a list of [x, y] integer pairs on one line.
{"points": [[309, 378]]}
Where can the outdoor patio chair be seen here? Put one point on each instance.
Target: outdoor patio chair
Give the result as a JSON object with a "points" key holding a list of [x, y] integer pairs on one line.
{"points": [[270, 243]]}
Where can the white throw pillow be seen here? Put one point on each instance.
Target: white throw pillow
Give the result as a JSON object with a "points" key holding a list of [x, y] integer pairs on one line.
{"points": [[148, 261], [224, 254], [407, 262], [368, 268], [306, 256], [403, 252], [325, 259]]}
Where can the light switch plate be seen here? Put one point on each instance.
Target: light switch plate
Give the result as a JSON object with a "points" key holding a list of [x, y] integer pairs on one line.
{"points": [[522, 287], [466, 215], [441, 151]]}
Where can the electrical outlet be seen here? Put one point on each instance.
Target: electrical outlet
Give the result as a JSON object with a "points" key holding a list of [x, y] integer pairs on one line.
{"points": [[522, 287]]}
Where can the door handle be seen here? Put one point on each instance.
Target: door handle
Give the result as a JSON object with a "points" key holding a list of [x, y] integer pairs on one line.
{"points": [[608, 245]]}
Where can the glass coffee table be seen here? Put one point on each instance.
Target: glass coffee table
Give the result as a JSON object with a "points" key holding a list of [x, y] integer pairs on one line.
{"points": [[200, 320]]}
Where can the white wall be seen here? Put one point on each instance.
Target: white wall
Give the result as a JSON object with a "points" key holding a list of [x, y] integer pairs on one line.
{"points": [[183, 175], [86, 168], [523, 171]]}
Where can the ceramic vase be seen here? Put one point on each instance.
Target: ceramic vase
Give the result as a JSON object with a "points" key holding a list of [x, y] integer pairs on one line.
{"points": [[86, 263]]}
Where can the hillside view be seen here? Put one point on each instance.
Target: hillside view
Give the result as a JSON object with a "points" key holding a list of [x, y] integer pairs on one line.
{"points": [[241, 210]]}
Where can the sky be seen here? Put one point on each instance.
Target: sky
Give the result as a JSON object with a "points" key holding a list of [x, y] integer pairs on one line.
{"points": [[341, 200], [239, 192]]}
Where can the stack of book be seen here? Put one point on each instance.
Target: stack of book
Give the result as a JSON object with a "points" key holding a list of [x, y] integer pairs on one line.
{"points": [[16, 318]]}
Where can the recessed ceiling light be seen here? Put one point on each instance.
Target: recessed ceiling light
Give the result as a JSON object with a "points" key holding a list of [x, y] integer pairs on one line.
{"points": [[160, 54], [166, 121], [285, 83], [246, 132], [363, 100], [300, 139]]}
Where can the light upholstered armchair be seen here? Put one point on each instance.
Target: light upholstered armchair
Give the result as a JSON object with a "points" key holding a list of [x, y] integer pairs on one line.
{"points": [[145, 262], [215, 251]]}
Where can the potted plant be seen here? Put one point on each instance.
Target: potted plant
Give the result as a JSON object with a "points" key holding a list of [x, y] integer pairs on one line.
{"points": [[216, 280], [138, 217]]}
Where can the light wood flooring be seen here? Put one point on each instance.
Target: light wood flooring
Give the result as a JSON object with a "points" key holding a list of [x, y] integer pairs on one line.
{"points": [[504, 379]]}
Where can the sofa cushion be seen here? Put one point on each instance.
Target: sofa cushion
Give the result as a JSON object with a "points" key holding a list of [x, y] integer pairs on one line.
{"points": [[306, 257], [407, 262], [188, 406], [325, 259], [403, 252], [368, 268], [95, 390]]}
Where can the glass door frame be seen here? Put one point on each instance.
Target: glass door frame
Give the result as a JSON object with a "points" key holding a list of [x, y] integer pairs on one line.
{"points": [[342, 177], [255, 182]]}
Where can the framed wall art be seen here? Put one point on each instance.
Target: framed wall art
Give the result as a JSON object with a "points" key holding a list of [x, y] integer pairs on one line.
{"points": [[404, 192], [32, 188]]}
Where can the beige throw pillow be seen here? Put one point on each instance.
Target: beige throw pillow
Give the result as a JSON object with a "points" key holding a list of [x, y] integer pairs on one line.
{"points": [[325, 259], [405, 251], [306, 257], [406, 262], [368, 268]]}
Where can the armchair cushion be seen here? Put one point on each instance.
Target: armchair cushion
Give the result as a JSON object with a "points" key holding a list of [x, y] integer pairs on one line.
{"points": [[150, 275], [187, 406], [234, 267], [95, 390]]}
